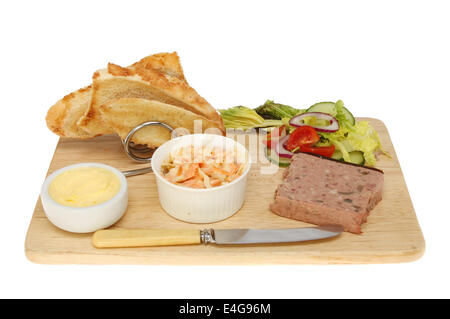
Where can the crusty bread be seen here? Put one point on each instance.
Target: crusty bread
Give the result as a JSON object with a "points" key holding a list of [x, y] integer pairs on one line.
{"points": [[155, 77], [63, 116], [168, 63], [126, 113], [165, 83]]}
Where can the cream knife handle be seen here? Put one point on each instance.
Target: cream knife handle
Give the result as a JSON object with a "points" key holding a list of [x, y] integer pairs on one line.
{"points": [[144, 237]]}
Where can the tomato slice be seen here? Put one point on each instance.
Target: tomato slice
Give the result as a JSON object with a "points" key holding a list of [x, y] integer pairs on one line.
{"points": [[303, 135], [326, 151], [274, 135]]}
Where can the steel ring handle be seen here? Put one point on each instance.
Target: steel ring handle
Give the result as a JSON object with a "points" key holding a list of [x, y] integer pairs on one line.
{"points": [[127, 147]]}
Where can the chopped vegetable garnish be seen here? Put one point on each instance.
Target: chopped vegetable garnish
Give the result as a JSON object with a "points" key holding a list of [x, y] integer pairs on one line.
{"points": [[202, 167], [304, 135], [326, 151]]}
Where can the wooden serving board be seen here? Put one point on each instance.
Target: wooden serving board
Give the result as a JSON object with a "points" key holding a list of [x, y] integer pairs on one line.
{"points": [[392, 233]]}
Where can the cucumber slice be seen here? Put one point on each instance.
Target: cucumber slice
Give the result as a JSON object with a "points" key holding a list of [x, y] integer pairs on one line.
{"points": [[348, 115], [337, 155], [356, 157], [324, 107], [273, 157], [330, 108]]}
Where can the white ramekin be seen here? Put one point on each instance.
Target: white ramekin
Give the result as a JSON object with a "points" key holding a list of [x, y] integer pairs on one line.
{"points": [[200, 205], [85, 219]]}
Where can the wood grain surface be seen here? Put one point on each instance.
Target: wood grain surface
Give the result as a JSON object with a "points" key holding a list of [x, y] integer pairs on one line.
{"points": [[391, 235]]}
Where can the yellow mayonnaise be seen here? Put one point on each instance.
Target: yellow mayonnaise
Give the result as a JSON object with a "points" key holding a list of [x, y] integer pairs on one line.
{"points": [[84, 186]]}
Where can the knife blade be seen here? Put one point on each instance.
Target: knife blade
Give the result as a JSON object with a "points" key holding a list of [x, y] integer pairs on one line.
{"points": [[269, 236], [114, 238]]}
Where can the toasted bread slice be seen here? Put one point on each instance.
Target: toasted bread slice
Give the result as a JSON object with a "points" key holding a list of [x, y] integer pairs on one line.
{"points": [[126, 113], [141, 80], [62, 117], [168, 63]]}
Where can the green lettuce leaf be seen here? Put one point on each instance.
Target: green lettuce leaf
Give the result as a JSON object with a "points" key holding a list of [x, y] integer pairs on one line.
{"points": [[359, 137], [276, 111], [244, 118]]}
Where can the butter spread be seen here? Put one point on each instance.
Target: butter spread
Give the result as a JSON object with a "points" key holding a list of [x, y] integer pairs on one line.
{"points": [[84, 186]]}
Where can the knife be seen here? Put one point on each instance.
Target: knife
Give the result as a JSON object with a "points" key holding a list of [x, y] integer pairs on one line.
{"points": [[109, 238]]}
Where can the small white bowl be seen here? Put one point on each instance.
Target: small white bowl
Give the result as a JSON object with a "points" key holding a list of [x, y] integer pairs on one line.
{"points": [[200, 205], [85, 219]]}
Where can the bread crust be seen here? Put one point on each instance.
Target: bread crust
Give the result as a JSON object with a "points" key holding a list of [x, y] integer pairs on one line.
{"points": [[156, 77], [63, 116], [152, 78], [126, 113], [168, 63]]}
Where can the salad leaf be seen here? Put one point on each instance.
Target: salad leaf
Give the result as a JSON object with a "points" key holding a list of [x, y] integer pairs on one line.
{"points": [[340, 115], [364, 138], [276, 111], [351, 136], [245, 118], [359, 137]]}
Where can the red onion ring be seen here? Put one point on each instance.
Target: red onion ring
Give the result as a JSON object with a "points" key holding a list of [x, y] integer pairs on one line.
{"points": [[297, 121], [281, 150]]}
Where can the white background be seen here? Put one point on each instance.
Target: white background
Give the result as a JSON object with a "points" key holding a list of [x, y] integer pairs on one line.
{"points": [[386, 59]]}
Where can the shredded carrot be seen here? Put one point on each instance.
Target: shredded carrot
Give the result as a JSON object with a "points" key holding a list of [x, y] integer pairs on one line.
{"points": [[201, 167]]}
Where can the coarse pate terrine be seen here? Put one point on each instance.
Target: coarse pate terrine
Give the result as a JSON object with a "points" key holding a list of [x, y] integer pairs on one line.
{"points": [[322, 191]]}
